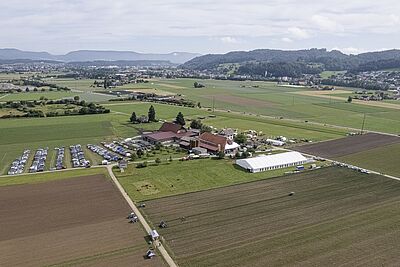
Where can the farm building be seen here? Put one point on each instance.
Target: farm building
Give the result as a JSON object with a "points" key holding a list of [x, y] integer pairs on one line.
{"points": [[216, 143], [168, 133], [272, 162]]}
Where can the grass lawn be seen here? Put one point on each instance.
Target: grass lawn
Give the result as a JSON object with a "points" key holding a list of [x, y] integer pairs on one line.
{"points": [[180, 177], [384, 159], [50, 176]]}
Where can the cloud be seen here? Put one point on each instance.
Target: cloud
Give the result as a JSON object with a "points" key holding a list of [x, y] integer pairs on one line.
{"points": [[324, 23], [298, 33], [228, 40], [59, 25], [287, 40]]}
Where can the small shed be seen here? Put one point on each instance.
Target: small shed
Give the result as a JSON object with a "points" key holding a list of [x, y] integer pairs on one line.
{"points": [[123, 164]]}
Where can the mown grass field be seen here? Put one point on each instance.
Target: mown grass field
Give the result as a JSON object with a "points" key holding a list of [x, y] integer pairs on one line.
{"points": [[337, 217], [179, 177], [19, 134], [384, 159]]}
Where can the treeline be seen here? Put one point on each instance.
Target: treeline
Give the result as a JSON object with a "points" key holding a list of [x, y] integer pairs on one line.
{"points": [[29, 108], [38, 83], [377, 65], [369, 85], [279, 69]]}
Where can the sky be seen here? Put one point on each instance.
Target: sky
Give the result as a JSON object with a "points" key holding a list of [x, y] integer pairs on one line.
{"points": [[205, 26]]}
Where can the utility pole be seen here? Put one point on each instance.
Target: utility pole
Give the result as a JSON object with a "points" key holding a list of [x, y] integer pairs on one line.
{"points": [[213, 104], [363, 124]]}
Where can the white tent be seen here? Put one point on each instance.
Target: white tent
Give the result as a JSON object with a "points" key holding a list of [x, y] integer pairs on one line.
{"points": [[272, 162]]}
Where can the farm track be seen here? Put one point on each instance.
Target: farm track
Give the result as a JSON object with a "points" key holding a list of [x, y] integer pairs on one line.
{"points": [[142, 220]]}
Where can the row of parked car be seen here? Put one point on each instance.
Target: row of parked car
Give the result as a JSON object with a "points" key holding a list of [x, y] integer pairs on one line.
{"points": [[18, 165], [39, 160], [344, 165], [78, 157], [137, 144], [115, 147], [60, 158], [107, 155]]}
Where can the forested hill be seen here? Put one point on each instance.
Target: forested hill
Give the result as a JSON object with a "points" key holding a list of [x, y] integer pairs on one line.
{"points": [[326, 60]]}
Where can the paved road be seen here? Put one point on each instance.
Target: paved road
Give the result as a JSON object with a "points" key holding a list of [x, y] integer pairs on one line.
{"points": [[146, 226]]}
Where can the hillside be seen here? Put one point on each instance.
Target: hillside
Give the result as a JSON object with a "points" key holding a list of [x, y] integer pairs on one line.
{"points": [[326, 60], [93, 55]]}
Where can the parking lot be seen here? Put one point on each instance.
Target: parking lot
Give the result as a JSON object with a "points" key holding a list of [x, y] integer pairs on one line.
{"points": [[107, 155], [18, 165], [39, 160], [78, 157]]}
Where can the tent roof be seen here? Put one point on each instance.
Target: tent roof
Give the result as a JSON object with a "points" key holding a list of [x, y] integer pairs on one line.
{"points": [[271, 160]]}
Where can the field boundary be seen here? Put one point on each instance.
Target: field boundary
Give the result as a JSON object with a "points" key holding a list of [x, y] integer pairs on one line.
{"points": [[142, 220]]}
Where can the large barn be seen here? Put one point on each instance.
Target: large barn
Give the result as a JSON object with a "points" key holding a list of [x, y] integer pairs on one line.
{"points": [[272, 162]]}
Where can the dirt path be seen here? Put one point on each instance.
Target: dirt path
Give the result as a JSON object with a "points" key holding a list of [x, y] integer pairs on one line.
{"points": [[146, 226]]}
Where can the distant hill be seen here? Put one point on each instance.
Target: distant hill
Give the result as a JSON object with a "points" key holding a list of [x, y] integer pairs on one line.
{"points": [[325, 60], [93, 55], [122, 63]]}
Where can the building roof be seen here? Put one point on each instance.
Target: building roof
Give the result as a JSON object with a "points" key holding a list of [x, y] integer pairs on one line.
{"points": [[170, 127], [227, 131], [212, 141], [271, 160], [161, 136], [231, 145]]}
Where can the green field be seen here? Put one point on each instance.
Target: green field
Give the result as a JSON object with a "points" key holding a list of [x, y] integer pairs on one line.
{"points": [[383, 159], [180, 177], [32, 133], [267, 98], [337, 217]]}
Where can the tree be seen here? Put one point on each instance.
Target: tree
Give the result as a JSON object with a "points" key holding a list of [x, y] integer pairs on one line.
{"points": [[27, 89], [158, 161], [180, 119], [152, 114], [76, 98], [198, 104], [240, 138], [350, 99], [134, 156], [139, 153], [196, 124], [133, 117], [221, 155]]}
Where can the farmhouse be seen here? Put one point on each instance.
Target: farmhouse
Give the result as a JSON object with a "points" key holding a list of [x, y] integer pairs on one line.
{"points": [[272, 162], [168, 133], [216, 143]]}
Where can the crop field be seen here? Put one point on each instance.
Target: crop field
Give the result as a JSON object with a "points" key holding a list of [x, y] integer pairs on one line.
{"points": [[337, 217], [70, 222], [384, 159], [279, 101], [349, 145], [178, 177]]}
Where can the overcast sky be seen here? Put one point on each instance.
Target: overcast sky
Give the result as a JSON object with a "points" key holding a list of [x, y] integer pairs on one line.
{"points": [[203, 26]]}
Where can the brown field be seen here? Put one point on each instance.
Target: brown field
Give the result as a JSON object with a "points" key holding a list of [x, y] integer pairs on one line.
{"points": [[241, 100], [77, 221], [348, 145], [337, 217]]}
